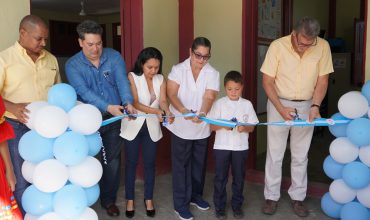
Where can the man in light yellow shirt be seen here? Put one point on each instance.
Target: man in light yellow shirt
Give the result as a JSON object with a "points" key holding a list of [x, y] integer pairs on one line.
{"points": [[295, 78], [27, 71]]}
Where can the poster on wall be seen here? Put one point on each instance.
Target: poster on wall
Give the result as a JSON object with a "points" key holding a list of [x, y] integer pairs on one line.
{"points": [[269, 20]]}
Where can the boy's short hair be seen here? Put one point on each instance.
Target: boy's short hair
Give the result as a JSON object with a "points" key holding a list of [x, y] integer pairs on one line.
{"points": [[234, 76]]}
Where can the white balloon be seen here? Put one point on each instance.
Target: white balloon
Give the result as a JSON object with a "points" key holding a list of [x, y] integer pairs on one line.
{"points": [[87, 173], [50, 175], [51, 216], [51, 121], [28, 216], [364, 155], [34, 107], [28, 169], [353, 105], [85, 119], [363, 196], [340, 192], [342, 150], [88, 214]]}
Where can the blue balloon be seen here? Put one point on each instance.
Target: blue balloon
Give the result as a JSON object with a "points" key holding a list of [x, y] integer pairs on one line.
{"points": [[70, 201], [332, 168], [35, 148], [95, 143], [71, 148], [92, 194], [356, 175], [36, 202], [330, 207], [354, 211], [365, 90], [358, 131], [63, 96], [338, 130]]}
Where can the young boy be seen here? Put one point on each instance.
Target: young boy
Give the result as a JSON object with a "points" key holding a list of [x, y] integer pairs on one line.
{"points": [[231, 145]]}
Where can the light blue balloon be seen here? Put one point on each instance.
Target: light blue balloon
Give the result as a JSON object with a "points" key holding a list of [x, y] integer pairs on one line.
{"points": [[338, 130], [365, 90], [70, 201], [330, 207], [35, 148], [356, 175], [358, 131], [63, 96], [354, 211], [332, 168], [92, 194], [95, 143], [37, 202], [71, 148]]}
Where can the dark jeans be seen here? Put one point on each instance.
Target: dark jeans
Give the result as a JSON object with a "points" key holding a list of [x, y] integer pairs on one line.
{"points": [[19, 129], [189, 159], [223, 160], [110, 160], [149, 152]]}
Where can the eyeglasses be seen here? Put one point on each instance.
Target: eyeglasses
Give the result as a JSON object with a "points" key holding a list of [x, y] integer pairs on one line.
{"points": [[314, 42], [199, 56]]}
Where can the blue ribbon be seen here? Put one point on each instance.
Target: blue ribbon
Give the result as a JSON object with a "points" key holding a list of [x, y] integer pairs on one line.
{"points": [[233, 124]]}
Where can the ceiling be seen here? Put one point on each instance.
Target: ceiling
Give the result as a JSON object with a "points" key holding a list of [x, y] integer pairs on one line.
{"points": [[92, 7]]}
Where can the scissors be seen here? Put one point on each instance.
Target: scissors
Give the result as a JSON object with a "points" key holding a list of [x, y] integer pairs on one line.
{"points": [[296, 115]]}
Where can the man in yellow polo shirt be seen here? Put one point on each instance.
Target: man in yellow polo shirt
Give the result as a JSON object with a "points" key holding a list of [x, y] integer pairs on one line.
{"points": [[295, 78], [27, 71]]}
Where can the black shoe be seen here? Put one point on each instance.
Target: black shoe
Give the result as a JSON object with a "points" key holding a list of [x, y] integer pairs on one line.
{"points": [[221, 214], [149, 213], [131, 213], [238, 213]]}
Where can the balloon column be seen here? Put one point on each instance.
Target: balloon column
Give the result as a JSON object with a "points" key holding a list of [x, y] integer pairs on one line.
{"points": [[349, 160], [59, 158]]}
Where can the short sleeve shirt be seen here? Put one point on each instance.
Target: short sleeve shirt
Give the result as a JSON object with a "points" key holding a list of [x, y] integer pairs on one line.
{"points": [[243, 111], [191, 94], [295, 76]]}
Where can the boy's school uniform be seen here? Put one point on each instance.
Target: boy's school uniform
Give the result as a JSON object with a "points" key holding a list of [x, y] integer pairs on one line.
{"points": [[243, 111]]}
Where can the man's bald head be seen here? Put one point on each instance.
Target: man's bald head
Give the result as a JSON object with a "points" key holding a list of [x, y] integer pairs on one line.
{"points": [[29, 23], [33, 35]]}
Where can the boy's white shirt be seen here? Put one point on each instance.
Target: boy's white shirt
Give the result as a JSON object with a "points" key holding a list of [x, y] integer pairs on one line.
{"points": [[243, 111]]}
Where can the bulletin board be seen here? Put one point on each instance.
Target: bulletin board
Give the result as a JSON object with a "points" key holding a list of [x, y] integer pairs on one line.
{"points": [[269, 20]]}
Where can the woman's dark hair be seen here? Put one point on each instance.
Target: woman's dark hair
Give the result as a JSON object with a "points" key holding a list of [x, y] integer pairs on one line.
{"points": [[144, 56], [201, 41], [88, 27], [234, 76]]}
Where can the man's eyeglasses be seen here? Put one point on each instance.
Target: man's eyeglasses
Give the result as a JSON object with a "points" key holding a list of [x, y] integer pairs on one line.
{"points": [[200, 56], [314, 42]]}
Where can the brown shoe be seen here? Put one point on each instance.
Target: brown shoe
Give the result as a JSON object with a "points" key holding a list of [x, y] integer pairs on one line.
{"points": [[299, 208], [270, 206], [112, 210]]}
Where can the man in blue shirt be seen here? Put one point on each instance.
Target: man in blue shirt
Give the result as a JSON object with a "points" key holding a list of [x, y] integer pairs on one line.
{"points": [[99, 77]]}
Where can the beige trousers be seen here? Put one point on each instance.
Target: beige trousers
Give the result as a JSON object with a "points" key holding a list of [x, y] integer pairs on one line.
{"points": [[300, 140]]}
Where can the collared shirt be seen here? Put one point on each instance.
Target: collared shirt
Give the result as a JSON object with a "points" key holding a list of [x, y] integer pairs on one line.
{"points": [[241, 109], [295, 76], [102, 86], [191, 95], [22, 80]]}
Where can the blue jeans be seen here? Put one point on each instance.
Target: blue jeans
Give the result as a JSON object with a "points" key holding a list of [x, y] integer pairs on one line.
{"points": [[149, 152], [110, 160], [189, 160], [19, 129]]}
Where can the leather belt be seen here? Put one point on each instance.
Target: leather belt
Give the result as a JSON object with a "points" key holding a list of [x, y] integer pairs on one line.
{"points": [[106, 115]]}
